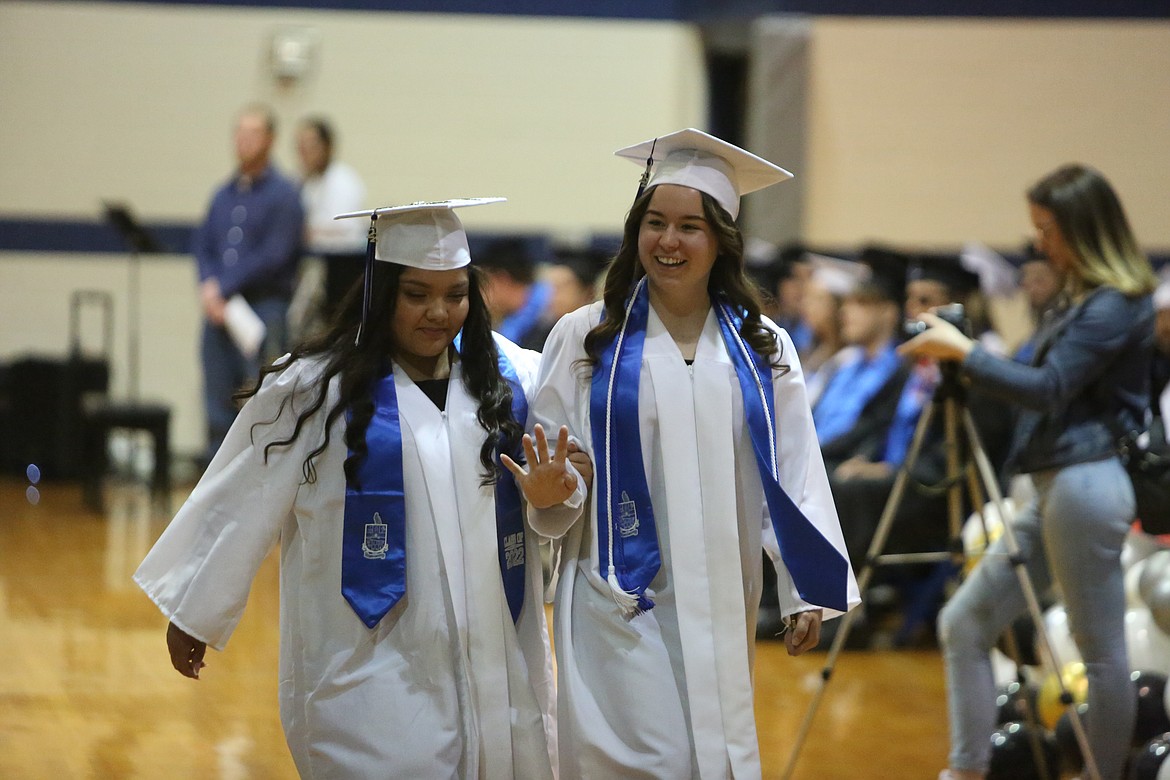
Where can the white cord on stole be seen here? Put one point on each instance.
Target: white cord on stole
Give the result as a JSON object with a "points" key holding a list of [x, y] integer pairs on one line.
{"points": [[628, 602]]}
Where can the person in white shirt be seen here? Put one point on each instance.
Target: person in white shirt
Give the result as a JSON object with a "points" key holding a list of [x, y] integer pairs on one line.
{"points": [[331, 187]]}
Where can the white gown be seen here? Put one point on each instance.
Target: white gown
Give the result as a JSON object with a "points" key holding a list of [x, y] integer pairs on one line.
{"points": [[668, 693], [443, 686]]}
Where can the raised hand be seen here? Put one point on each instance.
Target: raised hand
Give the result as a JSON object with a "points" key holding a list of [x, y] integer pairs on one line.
{"points": [[548, 481]]}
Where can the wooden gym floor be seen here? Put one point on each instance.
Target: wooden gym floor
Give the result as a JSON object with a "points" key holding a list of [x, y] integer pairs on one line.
{"points": [[86, 690]]}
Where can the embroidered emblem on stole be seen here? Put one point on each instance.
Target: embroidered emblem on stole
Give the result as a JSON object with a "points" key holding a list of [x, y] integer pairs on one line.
{"points": [[627, 516], [375, 545]]}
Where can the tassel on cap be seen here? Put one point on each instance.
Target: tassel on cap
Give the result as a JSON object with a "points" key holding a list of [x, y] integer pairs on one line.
{"points": [[646, 173], [368, 278]]}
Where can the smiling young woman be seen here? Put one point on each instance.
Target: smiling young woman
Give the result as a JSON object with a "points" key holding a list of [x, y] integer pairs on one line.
{"points": [[676, 246], [694, 408]]}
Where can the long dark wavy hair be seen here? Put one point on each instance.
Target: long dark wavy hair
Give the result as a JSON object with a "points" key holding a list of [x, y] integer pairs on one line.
{"points": [[359, 367], [728, 281]]}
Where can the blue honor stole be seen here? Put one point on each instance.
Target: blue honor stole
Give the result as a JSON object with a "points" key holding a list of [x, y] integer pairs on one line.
{"points": [[373, 542], [627, 540], [373, 552], [509, 515]]}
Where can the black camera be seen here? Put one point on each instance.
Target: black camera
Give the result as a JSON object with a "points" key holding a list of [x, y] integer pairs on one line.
{"points": [[954, 313]]}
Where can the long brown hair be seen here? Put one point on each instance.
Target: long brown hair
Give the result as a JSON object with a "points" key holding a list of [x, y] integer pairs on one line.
{"points": [[728, 280], [357, 368], [1092, 221]]}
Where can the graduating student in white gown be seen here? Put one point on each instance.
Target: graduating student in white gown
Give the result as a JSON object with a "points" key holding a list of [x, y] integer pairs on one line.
{"points": [[445, 684], [666, 693]]}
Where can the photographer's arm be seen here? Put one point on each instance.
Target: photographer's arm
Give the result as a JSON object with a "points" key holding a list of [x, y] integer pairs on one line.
{"points": [[1081, 354], [941, 341]]}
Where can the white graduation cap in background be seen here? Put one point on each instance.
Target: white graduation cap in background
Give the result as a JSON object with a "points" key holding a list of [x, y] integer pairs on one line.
{"points": [[1162, 294], [695, 159], [759, 252], [839, 277], [425, 235], [997, 277]]}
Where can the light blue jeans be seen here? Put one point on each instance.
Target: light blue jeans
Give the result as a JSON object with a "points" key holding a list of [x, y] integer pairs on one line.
{"points": [[1071, 533]]}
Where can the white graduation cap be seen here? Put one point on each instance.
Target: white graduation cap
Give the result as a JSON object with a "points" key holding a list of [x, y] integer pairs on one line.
{"points": [[1162, 293], [839, 277], [997, 277], [424, 235], [695, 159], [758, 252]]}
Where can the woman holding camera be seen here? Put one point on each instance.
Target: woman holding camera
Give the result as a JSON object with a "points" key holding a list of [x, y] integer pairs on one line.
{"points": [[1087, 381]]}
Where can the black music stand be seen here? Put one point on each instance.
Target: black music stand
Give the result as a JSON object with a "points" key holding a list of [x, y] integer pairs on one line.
{"points": [[153, 418], [139, 240]]}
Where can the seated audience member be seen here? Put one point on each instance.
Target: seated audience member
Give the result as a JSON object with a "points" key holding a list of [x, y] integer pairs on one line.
{"points": [[831, 280], [515, 298], [571, 276], [1042, 284], [931, 281], [934, 280], [781, 274], [853, 413], [862, 486], [830, 285]]}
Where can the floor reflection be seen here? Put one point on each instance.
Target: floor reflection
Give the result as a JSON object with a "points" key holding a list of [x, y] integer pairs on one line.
{"points": [[86, 689]]}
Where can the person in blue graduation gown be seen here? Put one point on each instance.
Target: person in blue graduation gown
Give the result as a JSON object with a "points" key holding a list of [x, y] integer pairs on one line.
{"points": [[854, 411]]}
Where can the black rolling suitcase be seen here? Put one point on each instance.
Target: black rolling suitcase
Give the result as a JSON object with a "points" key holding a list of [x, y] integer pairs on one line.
{"points": [[44, 397]]}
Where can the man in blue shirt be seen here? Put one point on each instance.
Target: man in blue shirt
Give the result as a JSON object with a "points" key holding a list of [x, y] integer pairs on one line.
{"points": [[247, 251]]}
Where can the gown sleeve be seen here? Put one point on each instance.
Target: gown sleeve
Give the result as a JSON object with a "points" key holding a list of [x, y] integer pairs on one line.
{"points": [[802, 475], [200, 570]]}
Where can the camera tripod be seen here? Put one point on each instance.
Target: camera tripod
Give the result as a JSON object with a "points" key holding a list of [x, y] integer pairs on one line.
{"points": [[966, 462]]}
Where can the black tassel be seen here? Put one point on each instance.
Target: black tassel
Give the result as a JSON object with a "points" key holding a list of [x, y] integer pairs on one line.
{"points": [[646, 173], [368, 283]]}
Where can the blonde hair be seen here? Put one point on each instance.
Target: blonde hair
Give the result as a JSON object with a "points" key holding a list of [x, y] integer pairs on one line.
{"points": [[1092, 221]]}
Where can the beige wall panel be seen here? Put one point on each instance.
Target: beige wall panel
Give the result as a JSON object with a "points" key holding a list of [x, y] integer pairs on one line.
{"points": [[928, 131], [137, 102]]}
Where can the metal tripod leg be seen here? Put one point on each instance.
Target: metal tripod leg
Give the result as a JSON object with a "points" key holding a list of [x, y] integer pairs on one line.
{"points": [[956, 414], [1018, 566], [871, 557]]}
